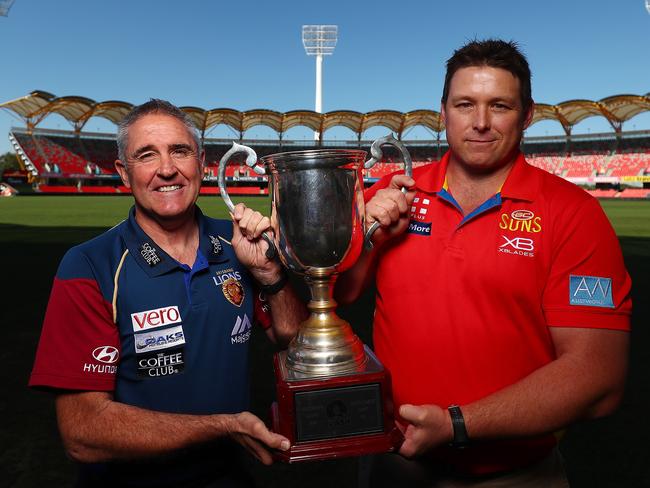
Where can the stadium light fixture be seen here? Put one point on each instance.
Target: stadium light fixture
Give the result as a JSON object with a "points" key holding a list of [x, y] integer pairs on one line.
{"points": [[5, 5], [647, 5], [319, 41]]}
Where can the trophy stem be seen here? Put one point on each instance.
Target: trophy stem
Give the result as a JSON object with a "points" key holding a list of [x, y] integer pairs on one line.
{"points": [[325, 344]]}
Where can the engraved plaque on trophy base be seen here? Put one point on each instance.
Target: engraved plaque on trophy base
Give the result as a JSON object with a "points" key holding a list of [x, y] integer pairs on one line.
{"points": [[334, 416]]}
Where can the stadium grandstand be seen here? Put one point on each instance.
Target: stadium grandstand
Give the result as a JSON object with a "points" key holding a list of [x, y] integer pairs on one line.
{"points": [[613, 164]]}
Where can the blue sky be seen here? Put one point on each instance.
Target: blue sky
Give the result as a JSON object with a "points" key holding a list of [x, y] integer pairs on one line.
{"points": [[248, 54]]}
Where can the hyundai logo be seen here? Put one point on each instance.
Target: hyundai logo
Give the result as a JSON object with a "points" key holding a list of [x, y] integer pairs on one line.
{"points": [[106, 354]]}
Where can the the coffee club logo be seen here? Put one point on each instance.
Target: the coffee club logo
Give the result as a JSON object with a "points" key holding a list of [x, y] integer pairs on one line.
{"points": [[149, 254], [217, 248]]}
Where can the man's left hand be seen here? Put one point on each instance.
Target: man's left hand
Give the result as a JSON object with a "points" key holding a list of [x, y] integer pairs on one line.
{"points": [[250, 248], [428, 426]]}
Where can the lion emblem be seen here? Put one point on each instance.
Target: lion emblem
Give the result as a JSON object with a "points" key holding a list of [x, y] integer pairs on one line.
{"points": [[233, 291]]}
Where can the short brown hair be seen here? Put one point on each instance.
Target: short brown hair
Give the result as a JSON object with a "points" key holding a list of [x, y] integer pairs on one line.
{"points": [[494, 53]]}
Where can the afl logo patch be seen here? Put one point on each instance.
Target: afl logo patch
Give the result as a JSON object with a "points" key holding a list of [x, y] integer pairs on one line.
{"points": [[233, 291]]}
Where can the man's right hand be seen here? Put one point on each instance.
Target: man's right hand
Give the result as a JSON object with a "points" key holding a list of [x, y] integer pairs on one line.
{"points": [[390, 207], [249, 431]]}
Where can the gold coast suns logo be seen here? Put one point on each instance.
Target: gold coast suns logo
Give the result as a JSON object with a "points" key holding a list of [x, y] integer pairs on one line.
{"points": [[521, 221]]}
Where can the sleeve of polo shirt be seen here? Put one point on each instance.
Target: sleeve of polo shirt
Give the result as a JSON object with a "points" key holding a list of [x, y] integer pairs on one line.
{"points": [[79, 345], [262, 310], [588, 285]]}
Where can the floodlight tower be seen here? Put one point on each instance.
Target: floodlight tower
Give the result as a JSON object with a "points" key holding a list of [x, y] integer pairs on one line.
{"points": [[319, 41], [5, 5]]}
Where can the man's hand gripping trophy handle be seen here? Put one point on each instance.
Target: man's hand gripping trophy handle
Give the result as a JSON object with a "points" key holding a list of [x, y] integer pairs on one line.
{"points": [[251, 161], [376, 156]]}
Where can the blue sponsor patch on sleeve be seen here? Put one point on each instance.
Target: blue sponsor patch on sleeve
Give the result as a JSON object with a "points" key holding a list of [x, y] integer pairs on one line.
{"points": [[590, 291], [420, 228]]}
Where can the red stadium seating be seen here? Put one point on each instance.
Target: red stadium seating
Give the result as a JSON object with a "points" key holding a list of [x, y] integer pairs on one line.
{"points": [[235, 190], [57, 189], [64, 158], [99, 189], [603, 193], [630, 164], [635, 193]]}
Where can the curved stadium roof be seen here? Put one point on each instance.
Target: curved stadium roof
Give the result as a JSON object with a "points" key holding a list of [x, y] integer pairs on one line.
{"points": [[33, 108]]}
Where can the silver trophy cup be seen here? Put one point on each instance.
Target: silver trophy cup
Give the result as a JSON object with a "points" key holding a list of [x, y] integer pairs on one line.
{"points": [[333, 396], [317, 216]]}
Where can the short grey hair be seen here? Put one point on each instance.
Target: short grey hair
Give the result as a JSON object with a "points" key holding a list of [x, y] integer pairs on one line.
{"points": [[153, 106]]}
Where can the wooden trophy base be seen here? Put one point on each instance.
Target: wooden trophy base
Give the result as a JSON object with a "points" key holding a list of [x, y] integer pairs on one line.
{"points": [[334, 416]]}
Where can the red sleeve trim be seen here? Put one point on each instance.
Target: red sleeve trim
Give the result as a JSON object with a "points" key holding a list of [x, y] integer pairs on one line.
{"points": [[79, 347], [262, 311]]}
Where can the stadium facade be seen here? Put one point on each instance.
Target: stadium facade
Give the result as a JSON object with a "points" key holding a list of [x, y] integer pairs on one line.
{"points": [[610, 164]]}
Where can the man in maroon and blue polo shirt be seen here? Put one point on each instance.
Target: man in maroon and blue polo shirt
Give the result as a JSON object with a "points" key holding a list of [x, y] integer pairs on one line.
{"points": [[503, 304], [146, 334]]}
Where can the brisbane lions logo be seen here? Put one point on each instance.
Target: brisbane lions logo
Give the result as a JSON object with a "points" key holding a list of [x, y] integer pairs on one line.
{"points": [[233, 291]]}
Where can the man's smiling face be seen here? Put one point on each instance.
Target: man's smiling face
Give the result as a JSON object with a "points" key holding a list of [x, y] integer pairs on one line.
{"points": [[163, 167]]}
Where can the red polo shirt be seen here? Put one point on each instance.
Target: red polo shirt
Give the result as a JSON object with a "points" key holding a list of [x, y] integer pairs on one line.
{"points": [[464, 303]]}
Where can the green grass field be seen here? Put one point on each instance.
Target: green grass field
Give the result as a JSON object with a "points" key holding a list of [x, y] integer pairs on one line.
{"points": [[36, 231], [629, 218]]}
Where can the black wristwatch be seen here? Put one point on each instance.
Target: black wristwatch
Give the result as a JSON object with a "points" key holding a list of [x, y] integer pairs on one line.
{"points": [[274, 288], [461, 439]]}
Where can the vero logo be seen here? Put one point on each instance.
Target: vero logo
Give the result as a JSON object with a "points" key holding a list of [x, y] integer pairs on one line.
{"points": [[158, 317]]}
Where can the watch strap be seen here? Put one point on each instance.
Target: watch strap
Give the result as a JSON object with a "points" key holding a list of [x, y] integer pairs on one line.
{"points": [[274, 288], [461, 439]]}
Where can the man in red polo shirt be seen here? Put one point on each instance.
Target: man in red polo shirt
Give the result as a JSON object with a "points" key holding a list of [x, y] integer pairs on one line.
{"points": [[503, 303]]}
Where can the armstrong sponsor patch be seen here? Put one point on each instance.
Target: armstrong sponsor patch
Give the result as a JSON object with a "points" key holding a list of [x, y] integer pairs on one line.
{"points": [[158, 364], [419, 228], [521, 220], [229, 281], [159, 339], [590, 291]]}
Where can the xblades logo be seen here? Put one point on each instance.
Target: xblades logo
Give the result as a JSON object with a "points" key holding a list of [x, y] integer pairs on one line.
{"points": [[520, 243], [520, 246]]}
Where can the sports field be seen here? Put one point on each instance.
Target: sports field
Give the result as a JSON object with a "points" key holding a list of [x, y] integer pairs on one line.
{"points": [[629, 218], [36, 231]]}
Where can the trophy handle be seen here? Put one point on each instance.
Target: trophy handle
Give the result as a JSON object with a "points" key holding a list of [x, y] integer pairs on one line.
{"points": [[377, 155], [251, 161]]}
